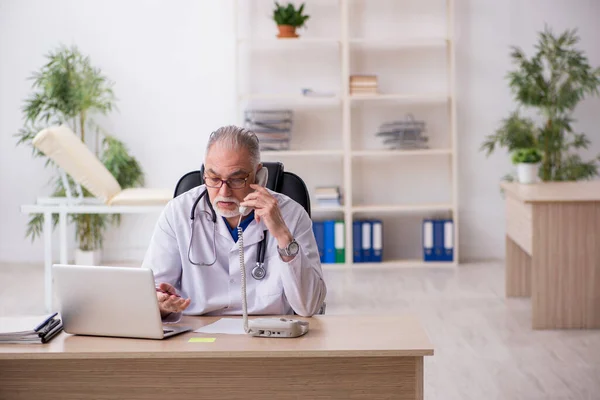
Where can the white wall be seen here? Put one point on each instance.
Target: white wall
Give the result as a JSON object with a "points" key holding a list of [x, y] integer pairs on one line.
{"points": [[485, 30], [171, 62]]}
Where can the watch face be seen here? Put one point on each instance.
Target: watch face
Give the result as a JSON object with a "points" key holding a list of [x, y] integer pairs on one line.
{"points": [[293, 248]]}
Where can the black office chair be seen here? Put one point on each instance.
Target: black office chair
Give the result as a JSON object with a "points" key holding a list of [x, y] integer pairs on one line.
{"points": [[279, 180]]}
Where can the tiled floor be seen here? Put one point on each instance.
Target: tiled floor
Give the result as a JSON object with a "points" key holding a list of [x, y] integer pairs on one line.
{"points": [[484, 346]]}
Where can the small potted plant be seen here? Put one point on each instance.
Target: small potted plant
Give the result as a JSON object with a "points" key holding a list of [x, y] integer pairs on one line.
{"points": [[527, 161], [288, 19]]}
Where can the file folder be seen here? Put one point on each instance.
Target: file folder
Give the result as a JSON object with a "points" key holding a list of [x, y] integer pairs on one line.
{"points": [[318, 230], [428, 254], [438, 240], [377, 241], [329, 242], [339, 242], [367, 238], [29, 329], [357, 241]]}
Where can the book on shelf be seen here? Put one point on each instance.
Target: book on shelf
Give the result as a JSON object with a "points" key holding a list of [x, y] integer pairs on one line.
{"points": [[29, 329], [363, 84], [272, 127], [328, 196]]}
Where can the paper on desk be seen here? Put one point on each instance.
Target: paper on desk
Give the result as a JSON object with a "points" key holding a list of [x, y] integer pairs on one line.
{"points": [[233, 326], [20, 324]]}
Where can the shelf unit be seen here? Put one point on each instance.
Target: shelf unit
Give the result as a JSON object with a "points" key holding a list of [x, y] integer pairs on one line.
{"points": [[337, 43]]}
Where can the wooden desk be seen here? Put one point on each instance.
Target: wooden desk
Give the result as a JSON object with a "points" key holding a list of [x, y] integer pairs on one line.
{"points": [[553, 251], [341, 357]]}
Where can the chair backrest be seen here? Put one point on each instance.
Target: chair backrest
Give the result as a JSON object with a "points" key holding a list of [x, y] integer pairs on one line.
{"points": [[280, 181]]}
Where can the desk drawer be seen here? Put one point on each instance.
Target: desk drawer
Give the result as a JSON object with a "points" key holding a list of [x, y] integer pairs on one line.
{"points": [[519, 223]]}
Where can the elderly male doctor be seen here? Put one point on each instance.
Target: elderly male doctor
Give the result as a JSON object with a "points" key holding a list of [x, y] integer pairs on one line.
{"points": [[200, 274]]}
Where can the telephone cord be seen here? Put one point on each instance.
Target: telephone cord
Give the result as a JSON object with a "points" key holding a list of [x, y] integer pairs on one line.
{"points": [[243, 273]]}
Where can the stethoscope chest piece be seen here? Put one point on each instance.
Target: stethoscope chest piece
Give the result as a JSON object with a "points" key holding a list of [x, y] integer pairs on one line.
{"points": [[259, 272]]}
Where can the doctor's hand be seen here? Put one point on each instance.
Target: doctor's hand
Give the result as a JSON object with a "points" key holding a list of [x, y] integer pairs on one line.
{"points": [[266, 208], [169, 301]]}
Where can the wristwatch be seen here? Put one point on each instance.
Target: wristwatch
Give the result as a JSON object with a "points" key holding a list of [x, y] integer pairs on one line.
{"points": [[290, 250]]}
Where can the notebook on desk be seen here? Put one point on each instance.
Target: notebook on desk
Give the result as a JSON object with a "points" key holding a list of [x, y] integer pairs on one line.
{"points": [[29, 329], [110, 301]]}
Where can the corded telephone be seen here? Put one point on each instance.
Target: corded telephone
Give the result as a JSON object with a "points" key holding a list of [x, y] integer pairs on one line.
{"points": [[262, 176], [264, 327]]}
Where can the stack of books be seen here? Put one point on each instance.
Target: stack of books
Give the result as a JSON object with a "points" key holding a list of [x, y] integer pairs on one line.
{"points": [[328, 196], [28, 329], [407, 134], [363, 84], [272, 127]]}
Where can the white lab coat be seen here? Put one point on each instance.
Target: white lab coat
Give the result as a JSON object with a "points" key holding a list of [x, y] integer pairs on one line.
{"points": [[296, 286]]}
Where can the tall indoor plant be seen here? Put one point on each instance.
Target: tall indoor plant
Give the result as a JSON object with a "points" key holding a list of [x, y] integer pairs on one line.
{"points": [[552, 83], [69, 90]]}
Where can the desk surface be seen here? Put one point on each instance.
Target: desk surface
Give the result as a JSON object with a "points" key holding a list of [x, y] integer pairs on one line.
{"points": [[554, 191], [328, 336]]}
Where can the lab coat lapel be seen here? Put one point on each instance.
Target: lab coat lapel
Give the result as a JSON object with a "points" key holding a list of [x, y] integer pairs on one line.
{"points": [[254, 233]]}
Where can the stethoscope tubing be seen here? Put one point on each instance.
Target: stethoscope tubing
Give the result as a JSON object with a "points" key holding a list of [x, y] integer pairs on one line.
{"points": [[258, 272]]}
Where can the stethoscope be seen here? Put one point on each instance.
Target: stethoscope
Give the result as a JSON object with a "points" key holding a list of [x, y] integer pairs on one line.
{"points": [[258, 272]]}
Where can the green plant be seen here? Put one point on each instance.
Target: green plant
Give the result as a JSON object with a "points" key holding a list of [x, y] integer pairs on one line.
{"points": [[526, 156], [552, 82], [288, 15], [69, 90]]}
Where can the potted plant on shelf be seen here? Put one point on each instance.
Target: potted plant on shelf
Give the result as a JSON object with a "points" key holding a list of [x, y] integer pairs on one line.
{"points": [[551, 83], [527, 162], [288, 19], [69, 90]]}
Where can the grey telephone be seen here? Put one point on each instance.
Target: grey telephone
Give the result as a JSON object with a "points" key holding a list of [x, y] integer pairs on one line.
{"points": [[265, 327]]}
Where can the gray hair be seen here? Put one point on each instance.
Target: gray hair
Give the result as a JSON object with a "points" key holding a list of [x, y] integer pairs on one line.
{"points": [[234, 138]]}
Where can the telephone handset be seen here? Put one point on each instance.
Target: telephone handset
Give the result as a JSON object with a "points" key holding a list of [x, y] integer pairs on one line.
{"points": [[262, 176], [264, 327]]}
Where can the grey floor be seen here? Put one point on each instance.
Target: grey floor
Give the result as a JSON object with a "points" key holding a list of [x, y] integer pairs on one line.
{"points": [[484, 346]]}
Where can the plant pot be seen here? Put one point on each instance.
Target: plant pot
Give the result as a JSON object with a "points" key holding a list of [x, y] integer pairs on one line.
{"points": [[90, 258], [527, 173], [287, 31]]}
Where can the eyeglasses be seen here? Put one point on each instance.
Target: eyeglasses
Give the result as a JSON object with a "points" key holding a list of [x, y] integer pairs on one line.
{"points": [[234, 183]]}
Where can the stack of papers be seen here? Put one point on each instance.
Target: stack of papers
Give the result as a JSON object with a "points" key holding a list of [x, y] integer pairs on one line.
{"points": [[29, 329], [231, 326]]}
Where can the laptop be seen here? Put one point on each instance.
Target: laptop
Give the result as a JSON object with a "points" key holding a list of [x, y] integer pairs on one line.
{"points": [[110, 301]]}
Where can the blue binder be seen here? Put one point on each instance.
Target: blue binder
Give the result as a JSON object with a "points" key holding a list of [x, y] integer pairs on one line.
{"points": [[329, 242], [448, 242], [438, 243], [319, 232], [367, 241], [376, 240], [357, 241]]}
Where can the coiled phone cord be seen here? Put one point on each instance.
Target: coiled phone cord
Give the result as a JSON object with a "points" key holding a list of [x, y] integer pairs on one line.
{"points": [[243, 273]]}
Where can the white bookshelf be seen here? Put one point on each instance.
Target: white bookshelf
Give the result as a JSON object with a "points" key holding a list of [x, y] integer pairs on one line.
{"points": [[333, 138]]}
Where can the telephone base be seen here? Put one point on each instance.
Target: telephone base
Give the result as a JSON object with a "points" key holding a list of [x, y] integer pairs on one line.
{"points": [[277, 327]]}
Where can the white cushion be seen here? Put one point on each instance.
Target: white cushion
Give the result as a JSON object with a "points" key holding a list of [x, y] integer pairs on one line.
{"points": [[141, 197], [67, 150]]}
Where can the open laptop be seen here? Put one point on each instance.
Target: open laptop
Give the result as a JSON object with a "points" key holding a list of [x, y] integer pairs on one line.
{"points": [[110, 301]]}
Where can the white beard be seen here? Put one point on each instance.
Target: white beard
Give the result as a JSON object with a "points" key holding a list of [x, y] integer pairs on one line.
{"points": [[226, 213]]}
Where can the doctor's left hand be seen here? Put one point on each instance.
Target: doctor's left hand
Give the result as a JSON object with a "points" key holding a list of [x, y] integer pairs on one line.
{"points": [[266, 208], [169, 301]]}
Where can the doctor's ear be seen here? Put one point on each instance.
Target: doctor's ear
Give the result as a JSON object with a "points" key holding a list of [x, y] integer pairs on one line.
{"points": [[262, 176]]}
